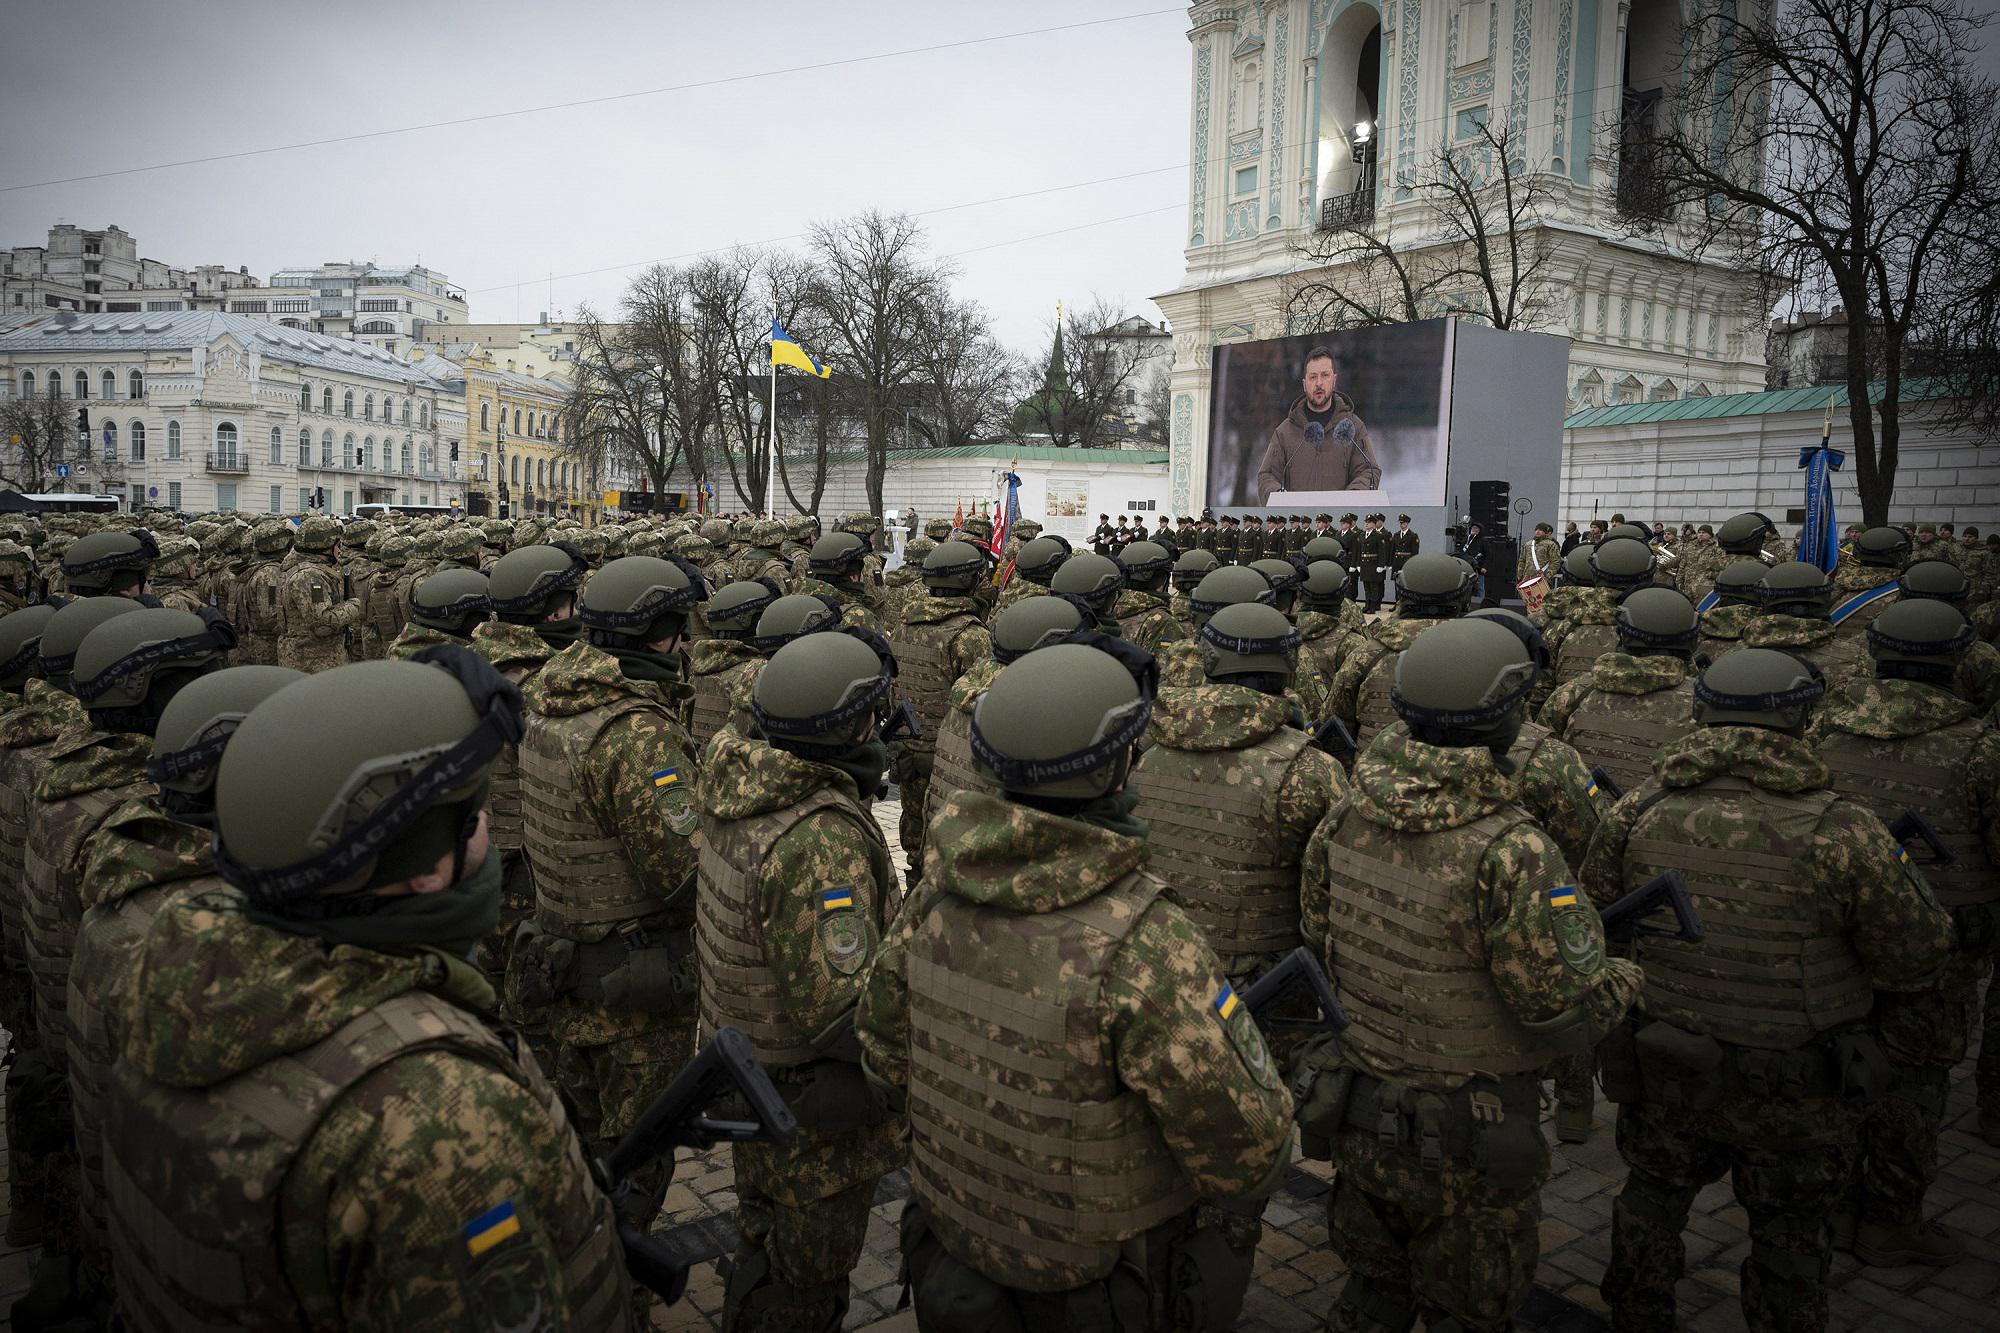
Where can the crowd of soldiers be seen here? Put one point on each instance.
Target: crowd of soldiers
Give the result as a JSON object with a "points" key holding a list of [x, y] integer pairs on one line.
{"points": [[361, 885]]}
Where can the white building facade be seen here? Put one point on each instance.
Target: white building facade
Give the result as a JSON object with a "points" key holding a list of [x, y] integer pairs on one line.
{"points": [[1280, 91], [389, 308]]}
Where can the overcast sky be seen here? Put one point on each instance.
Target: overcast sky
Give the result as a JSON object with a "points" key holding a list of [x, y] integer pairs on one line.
{"points": [[102, 85]]}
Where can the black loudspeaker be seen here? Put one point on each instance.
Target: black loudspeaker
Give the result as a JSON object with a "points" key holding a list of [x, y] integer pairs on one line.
{"points": [[1490, 505], [1502, 553]]}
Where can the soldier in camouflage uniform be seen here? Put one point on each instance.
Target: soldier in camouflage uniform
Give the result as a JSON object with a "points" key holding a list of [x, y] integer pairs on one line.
{"points": [[1909, 740], [1734, 603], [320, 611], [907, 579], [1190, 567], [1041, 976], [759, 558], [607, 796], [1142, 612], [867, 527], [1035, 565], [259, 604], [1096, 580], [1743, 537], [796, 883], [1331, 629], [427, 1173], [939, 640], [1639, 696], [17, 568], [445, 608], [720, 667], [381, 607], [1864, 583], [1979, 668], [837, 569], [1589, 626], [1796, 598], [1430, 590], [226, 560], [1749, 1053], [175, 576], [109, 564], [1453, 931]]}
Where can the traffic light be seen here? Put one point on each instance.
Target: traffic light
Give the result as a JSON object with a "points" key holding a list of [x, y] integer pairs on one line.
{"points": [[83, 419]]}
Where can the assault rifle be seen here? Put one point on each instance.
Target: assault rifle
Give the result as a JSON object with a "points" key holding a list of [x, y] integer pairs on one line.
{"points": [[1298, 968], [1332, 736], [1606, 783], [1625, 920], [726, 1069], [1911, 827]]}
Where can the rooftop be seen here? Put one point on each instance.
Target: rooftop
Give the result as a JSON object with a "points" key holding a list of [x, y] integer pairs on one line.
{"points": [[185, 329], [1812, 398]]}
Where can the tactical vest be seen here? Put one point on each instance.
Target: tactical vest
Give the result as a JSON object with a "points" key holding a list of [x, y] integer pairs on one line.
{"points": [[1030, 1161], [503, 785], [263, 603], [1624, 731], [923, 672], [1767, 974], [738, 987], [952, 768], [1581, 648], [384, 613], [1926, 774], [1212, 817], [20, 772], [1424, 1012], [1373, 707], [585, 884], [711, 706], [51, 871], [200, 1243]]}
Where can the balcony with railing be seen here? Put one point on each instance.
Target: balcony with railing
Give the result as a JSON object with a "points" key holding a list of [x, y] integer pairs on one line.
{"points": [[1644, 194], [1343, 212], [230, 461]]}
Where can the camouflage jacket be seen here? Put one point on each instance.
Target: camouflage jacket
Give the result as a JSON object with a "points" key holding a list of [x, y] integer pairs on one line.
{"points": [[1019, 589], [315, 606], [415, 638], [1895, 710], [1146, 619], [857, 606], [1557, 605], [1555, 786], [1613, 673], [1722, 627], [1839, 659], [1591, 606], [515, 651], [1384, 639]]}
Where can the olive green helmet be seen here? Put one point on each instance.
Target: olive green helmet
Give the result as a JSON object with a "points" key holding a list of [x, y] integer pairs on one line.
{"points": [[1433, 587], [21, 644], [639, 599], [823, 691], [1146, 564], [1757, 687], [733, 611], [1522, 628], [1882, 548], [1229, 586], [790, 617], [954, 567], [1621, 562], [1465, 683], [194, 728], [1324, 588], [317, 532], [1193, 563], [837, 555], [1062, 721], [526, 583], [1325, 548], [305, 811], [1037, 561], [129, 667], [1033, 622], [1921, 640], [108, 561], [1093, 577], [1658, 622], [1935, 580], [1796, 588], [451, 601], [1249, 639], [1632, 530], [68, 627], [1745, 533], [1284, 578], [1738, 582], [1576, 567]]}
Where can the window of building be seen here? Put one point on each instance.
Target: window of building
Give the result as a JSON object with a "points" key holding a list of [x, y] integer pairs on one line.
{"points": [[28, 385], [406, 411], [82, 385], [173, 495], [225, 495], [137, 434], [326, 401], [347, 404], [110, 441], [277, 499], [305, 448], [541, 474], [515, 468], [368, 408], [305, 397], [174, 440], [225, 442], [406, 455], [368, 453], [347, 502], [326, 448], [347, 450], [483, 405], [135, 385], [517, 421], [277, 447], [305, 498], [423, 416], [1246, 180], [108, 386]]}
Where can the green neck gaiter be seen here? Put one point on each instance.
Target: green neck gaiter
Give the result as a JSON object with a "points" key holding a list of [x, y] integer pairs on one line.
{"points": [[865, 763], [642, 664], [559, 634], [452, 921]]}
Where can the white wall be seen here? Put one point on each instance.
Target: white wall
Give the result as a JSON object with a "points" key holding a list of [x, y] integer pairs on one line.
{"points": [[1114, 481]]}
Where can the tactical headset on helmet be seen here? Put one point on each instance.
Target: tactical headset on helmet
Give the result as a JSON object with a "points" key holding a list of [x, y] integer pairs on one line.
{"points": [[1522, 628], [1737, 584], [1921, 640], [130, 667], [451, 601], [195, 727], [68, 627], [837, 555], [1325, 548], [21, 644], [1882, 548], [639, 599], [1745, 533], [954, 567], [529, 581], [1576, 571], [1796, 588], [1034, 622], [1037, 561], [1228, 586], [1146, 565], [1325, 587], [1191, 566], [1284, 578], [310, 816], [1433, 587], [1758, 687], [1061, 722], [790, 617], [1094, 578], [732, 612], [1252, 645], [1658, 622], [1621, 562], [1465, 683], [108, 562], [1935, 580], [822, 692]]}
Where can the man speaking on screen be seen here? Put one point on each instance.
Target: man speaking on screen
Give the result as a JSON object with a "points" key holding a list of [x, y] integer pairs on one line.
{"points": [[1321, 445]]}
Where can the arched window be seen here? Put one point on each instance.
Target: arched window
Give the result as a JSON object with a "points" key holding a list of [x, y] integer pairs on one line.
{"points": [[110, 441], [347, 450], [326, 401], [541, 474], [173, 439], [28, 386], [406, 455], [82, 385], [347, 404], [225, 442], [515, 468], [482, 406], [1350, 97], [135, 385], [109, 385], [326, 448], [424, 416], [555, 430], [368, 452], [138, 437], [305, 396], [277, 447], [388, 407], [517, 417], [406, 411], [305, 448], [368, 408]]}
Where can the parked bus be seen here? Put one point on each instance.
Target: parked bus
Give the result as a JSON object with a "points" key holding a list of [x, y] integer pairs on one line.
{"points": [[378, 510], [73, 503]]}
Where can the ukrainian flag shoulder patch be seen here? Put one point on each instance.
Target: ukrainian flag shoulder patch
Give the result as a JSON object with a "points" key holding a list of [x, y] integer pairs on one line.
{"points": [[1562, 895], [1592, 790], [835, 899], [491, 1227], [667, 777], [1226, 1002]]}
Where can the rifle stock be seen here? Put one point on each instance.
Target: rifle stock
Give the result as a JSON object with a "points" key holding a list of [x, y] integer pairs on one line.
{"points": [[1606, 783], [1910, 827], [1298, 968], [1624, 920]]}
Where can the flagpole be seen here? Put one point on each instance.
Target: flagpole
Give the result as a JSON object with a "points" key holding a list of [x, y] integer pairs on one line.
{"points": [[771, 450]]}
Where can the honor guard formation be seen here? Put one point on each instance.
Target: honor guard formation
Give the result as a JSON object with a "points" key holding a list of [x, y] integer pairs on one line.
{"points": [[385, 902]]}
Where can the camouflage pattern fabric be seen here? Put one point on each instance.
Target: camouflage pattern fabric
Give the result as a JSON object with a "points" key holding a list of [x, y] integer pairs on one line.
{"points": [[1839, 659], [1146, 619], [318, 616], [256, 606], [1018, 589], [1700, 561], [953, 769], [415, 638], [963, 647], [1614, 673], [1357, 676], [857, 606]]}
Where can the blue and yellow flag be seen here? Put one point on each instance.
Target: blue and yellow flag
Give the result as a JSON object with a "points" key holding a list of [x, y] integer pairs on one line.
{"points": [[785, 352]]}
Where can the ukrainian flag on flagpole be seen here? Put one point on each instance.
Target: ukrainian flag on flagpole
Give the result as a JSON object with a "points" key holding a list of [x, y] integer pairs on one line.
{"points": [[785, 352]]}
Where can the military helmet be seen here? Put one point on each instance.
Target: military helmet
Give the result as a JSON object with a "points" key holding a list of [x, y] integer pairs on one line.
{"points": [[1737, 583], [715, 530], [108, 561], [1227, 586], [694, 550], [1464, 683], [271, 538], [1922, 640], [1433, 586], [180, 558], [1622, 562], [194, 728], [1745, 533], [358, 532], [1757, 687], [1635, 531], [915, 552], [1062, 721], [1037, 561], [864, 524], [767, 533], [979, 526], [305, 811], [16, 558], [790, 617], [732, 611], [128, 668], [317, 532], [68, 627], [1192, 564], [1522, 628], [1284, 578], [1145, 562], [1027, 529], [1882, 548], [1935, 580], [1249, 639], [639, 599], [954, 567], [394, 551], [1325, 548], [1325, 586], [938, 529], [452, 601], [1658, 622], [1576, 570], [1031, 623], [21, 644], [823, 690], [1796, 588], [1093, 577], [524, 584], [838, 553]]}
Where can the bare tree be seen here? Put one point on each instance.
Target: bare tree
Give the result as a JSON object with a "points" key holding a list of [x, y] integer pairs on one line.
{"points": [[1848, 143], [1089, 371], [1157, 401], [36, 433], [967, 382]]}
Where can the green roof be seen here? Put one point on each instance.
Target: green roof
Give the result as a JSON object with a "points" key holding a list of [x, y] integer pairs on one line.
{"points": [[1812, 398], [1006, 453]]}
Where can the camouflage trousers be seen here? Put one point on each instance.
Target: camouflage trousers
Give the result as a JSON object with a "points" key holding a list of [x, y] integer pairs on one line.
{"points": [[497, 962], [1790, 1164], [1573, 1078], [310, 654], [1924, 1033], [912, 774], [610, 1064], [1988, 1076], [1444, 1243]]}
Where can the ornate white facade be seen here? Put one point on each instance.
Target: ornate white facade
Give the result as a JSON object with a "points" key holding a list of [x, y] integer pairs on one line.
{"points": [[1277, 89]]}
